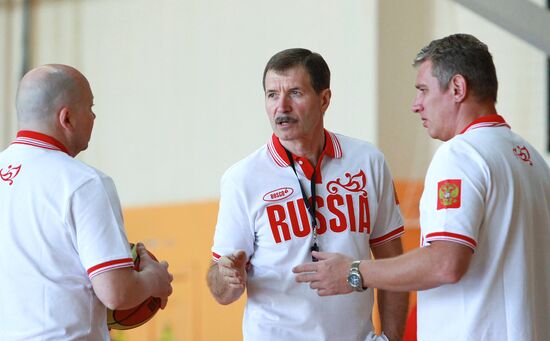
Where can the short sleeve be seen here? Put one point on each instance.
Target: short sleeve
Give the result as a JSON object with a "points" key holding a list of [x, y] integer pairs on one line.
{"points": [[452, 203], [389, 222], [96, 217], [234, 231]]}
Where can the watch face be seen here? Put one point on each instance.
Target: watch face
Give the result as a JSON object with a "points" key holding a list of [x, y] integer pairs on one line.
{"points": [[355, 280]]}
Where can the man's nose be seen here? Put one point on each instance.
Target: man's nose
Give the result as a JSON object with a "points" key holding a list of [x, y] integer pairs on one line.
{"points": [[416, 107], [284, 104]]}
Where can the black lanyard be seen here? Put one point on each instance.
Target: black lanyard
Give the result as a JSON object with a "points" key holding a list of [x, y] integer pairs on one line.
{"points": [[310, 207]]}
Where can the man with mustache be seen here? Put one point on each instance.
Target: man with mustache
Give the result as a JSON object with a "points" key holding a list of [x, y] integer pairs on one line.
{"points": [[482, 272], [306, 189]]}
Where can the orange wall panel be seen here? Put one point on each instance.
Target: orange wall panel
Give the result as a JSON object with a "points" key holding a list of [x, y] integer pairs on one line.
{"points": [[182, 235]]}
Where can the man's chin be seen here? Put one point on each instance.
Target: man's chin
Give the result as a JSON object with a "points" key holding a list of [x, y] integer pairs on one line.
{"points": [[83, 148], [284, 136]]}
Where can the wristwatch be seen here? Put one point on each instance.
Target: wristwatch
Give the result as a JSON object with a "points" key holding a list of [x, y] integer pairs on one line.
{"points": [[355, 280]]}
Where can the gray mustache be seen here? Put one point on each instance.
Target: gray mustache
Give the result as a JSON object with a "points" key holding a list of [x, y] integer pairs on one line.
{"points": [[284, 119]]}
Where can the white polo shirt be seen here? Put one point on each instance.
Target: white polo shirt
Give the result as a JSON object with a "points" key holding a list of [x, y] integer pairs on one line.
{"points": [[489, 189], [262, 212], [60, 225]]}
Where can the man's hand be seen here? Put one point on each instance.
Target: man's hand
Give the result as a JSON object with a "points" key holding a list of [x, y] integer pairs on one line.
{"points": [[227, 278], [328, 276], [232, 268], [162, 287], [125, 288]]}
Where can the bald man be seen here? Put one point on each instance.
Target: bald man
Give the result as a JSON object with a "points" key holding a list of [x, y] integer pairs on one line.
{"points": [[65, 255]]}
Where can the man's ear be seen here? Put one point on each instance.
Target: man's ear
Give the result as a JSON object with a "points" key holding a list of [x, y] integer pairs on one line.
{"points": [[65, 118], [459, 88], [325, 99]]}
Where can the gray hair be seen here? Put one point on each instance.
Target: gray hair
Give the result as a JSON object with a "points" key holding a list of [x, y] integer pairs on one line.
{"points": [[462, 54]]}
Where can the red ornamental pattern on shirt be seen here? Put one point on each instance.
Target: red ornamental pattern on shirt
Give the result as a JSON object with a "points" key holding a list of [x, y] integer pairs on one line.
{"points": [[449, 193], [9, 174], [291, 219], [523, 154], [356, 183]]}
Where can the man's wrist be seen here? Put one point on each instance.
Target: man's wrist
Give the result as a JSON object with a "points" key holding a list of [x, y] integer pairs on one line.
{"points": [[355, 279]]}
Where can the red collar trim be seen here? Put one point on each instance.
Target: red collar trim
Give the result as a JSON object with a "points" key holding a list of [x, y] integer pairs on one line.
{"points": [[278, 153], [36, 139], [494, 120]]}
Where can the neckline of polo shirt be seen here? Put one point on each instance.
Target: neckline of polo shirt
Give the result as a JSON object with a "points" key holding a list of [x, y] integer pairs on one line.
{"points": [[34, 135], [280, 151], [304, 163], [493, 118]]}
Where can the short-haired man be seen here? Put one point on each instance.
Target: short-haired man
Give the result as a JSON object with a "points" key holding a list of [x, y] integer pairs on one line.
{"points": [[482, 271], [265, 224]]}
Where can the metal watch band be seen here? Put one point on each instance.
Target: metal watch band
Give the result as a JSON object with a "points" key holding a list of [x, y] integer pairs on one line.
{"points": [[354, 271]]}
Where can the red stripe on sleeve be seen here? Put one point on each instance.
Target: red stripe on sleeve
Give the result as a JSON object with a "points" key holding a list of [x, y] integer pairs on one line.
{"points": [[459, 238], [387, 237], [118, 263]]}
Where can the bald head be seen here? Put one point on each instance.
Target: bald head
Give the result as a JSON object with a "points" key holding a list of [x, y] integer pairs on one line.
{"points": [[45, 90], [56, 100]]}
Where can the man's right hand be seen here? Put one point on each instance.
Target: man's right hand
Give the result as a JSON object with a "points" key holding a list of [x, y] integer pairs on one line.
{"points": [[227, 277], [232, 268]]}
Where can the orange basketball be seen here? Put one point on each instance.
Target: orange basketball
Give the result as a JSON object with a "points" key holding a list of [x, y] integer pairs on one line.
{"points": [[136, 316]]}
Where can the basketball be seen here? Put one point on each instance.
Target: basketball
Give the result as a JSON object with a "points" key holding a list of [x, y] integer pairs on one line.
{"points": [[136, 316]]}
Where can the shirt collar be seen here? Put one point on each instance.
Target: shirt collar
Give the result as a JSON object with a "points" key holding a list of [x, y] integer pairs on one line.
{"points": [[332, 149], [36, 139], [488, 121]]}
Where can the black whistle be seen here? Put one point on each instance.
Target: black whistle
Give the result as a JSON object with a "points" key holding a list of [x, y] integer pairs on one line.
{"points": [[315, 247]]}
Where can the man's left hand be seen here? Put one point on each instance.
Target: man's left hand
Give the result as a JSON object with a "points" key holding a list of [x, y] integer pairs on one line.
{"points": [[328, 275]]}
